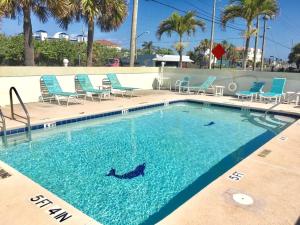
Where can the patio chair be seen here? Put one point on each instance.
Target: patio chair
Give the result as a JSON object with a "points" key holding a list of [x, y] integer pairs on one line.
{"points": [[84, 85], [254, 91], [206, 85], [116, 85], [51, 89], [276, 91], [184, 82]]}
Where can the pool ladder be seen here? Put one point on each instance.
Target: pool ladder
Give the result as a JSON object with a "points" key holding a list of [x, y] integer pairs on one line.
{"points": [[3, 128], [13, 116], [277, 104]]}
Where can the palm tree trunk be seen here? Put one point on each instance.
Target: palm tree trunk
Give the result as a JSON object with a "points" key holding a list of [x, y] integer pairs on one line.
{"points": [[180, 51], [28, 43], [246, 47], [90, 43]]}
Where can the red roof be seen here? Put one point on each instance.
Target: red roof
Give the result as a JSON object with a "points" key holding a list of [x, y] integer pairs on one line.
{"points": [[240, 48], [107, 43]]}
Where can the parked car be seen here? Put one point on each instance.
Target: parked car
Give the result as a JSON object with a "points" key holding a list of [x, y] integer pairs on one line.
{"points": [[115, 62]]}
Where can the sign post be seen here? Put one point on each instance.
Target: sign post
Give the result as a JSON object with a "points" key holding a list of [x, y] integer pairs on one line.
{"points": [[218, 52]]}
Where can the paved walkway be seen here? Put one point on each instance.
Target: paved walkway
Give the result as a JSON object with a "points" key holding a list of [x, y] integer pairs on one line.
{"points": [[46, 112]]}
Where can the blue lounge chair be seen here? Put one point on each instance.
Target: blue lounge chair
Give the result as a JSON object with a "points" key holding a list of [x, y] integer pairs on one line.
{"points": [[51, 89], [254, 91], [184, 82], [206, 85], [276, 91], [116, 85], [84, 85]]}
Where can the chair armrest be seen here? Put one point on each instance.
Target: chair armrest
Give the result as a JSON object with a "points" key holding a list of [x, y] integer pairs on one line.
{"points": [[177, 82], [187, 82]]}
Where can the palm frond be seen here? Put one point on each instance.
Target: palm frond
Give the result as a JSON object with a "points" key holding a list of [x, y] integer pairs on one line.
{"points": [[179, 24], [112, 13], [230, 13]]}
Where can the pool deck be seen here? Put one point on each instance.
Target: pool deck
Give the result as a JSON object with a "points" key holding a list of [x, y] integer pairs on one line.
{"points": [[272, 181]]}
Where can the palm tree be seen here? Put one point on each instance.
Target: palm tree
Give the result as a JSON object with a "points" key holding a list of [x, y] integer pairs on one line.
{"points": [[248, 10], [181, 25], [41, 8], [294, 56], [107, 14], [199, 53], [148, 46]]}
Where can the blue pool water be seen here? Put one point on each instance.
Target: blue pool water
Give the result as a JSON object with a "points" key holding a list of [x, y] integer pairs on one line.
{"points": [[180, 153]]}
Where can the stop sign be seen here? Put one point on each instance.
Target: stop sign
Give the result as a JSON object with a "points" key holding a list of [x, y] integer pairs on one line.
{"points": [[218, 51]]}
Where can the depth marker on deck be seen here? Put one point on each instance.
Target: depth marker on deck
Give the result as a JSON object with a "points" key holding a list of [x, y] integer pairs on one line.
{"points": [[236, 176], [4, 174]]}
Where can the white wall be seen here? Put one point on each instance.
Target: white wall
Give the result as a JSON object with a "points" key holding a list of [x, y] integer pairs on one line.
{"points": [[27, 79], [28, 82], [243, 79]]}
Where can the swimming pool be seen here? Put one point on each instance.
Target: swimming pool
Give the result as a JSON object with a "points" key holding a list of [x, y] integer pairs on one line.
{"points": [[184, 147]]}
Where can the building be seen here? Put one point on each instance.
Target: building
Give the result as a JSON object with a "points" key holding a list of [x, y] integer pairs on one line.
{"points": [[109, 44], [43, 35], [250, 55], [81, 38], [40, 35], [78, 38], [61, 35], [171, 60]]}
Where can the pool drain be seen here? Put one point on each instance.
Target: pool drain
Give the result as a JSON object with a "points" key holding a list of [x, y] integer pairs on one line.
{"points": [[242, 199]]}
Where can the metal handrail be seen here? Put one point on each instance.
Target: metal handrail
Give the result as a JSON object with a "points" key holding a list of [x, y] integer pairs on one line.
{"points": [[4, 137], [24, 108], [277, 104]]}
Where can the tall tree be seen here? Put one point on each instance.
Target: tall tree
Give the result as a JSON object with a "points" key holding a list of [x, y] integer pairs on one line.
{"points": [[164, 51], [294, 56], [181, 25], [108, 15], [230, 51], [248, 10], [41, 8], [148, 46], [200, 53]]}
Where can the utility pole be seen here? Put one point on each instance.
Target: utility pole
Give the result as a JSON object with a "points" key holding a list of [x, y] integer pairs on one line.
{"points": [[136, 39], [263, 42], [212, 33], [256, 43], [133, 32]]}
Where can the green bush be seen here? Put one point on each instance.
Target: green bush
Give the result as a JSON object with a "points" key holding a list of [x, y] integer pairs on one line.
{"points": [[11, 50], [52, 52]]}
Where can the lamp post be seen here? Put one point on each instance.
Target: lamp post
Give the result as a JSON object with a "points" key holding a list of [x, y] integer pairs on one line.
{"points": [[212, 33], [266, 17], [141, 34]]}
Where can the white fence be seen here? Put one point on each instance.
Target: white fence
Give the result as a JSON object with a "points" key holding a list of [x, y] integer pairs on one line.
{"points": [[243, 79], [27, 79]]}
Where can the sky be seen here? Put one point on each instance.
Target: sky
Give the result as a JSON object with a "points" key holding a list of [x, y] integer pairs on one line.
{"points": [[283, 32]]}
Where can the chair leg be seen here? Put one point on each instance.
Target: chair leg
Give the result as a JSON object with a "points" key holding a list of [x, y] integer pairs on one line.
{"points": [[57, 98]]}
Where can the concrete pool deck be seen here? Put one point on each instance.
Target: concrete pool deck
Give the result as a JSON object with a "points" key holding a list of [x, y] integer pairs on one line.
{"points": [[272, 181]]}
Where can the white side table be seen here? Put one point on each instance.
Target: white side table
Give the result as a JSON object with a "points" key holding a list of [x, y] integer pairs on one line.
{"points": [[219, 90], [287, 96], [298, 99]]}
